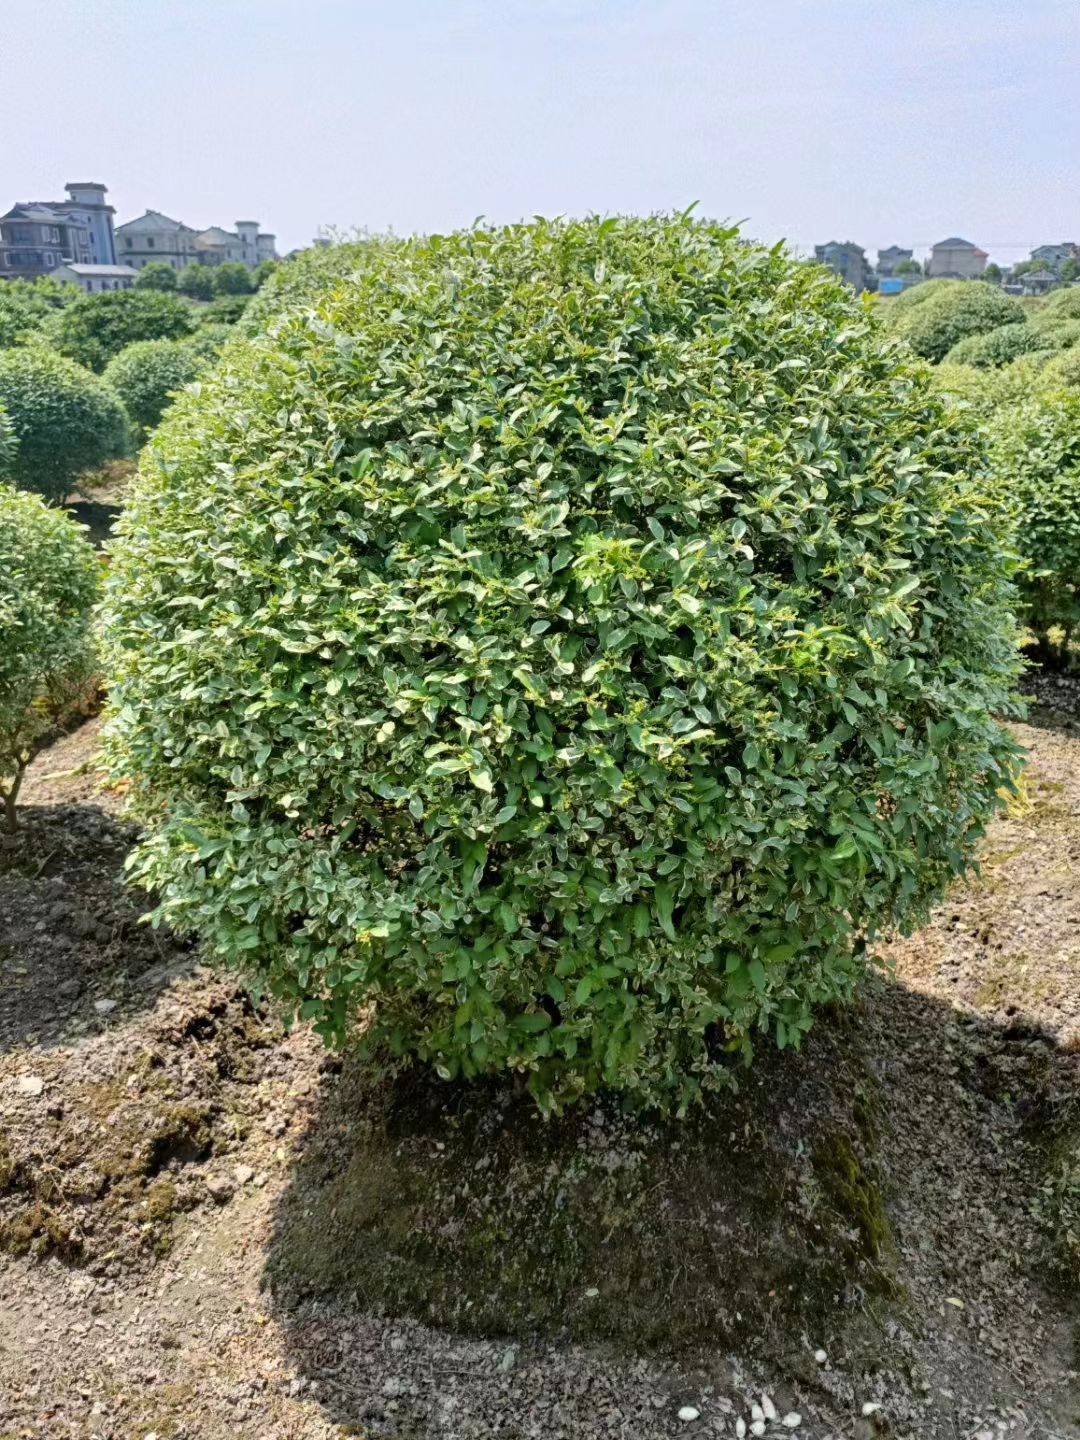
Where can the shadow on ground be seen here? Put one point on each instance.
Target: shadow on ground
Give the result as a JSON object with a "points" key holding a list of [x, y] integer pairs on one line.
{"points": [[73, 954], [886, 1195]]}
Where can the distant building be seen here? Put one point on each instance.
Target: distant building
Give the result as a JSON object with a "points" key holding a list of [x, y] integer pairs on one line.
{"points": [[157, 237], [1053, 257], [92, 278], [956, 259], [37, 237], [1038, 282], [848, 261], [887, 260]]}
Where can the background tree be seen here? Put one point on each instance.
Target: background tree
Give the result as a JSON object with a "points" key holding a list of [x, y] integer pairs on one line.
{"points": [[66, 420], [992, 273], [156, 276], [908, 267], [196, 282], [48, 582], [1070, 270], [225, 310], [94, 328], [232, 278]]}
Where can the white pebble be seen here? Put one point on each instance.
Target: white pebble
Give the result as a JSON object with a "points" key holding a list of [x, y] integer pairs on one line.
{"points": [[792, 1420], [758, 1427], [820, 1356], [688, 1412], [740, 1428], [871, 1407], [768, 1409], [756, 1412]]}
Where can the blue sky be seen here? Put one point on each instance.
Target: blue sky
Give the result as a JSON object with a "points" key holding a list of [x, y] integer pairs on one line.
{"points": [[882, 121]]}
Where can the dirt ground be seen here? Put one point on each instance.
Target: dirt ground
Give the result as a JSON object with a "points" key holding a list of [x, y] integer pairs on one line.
{"points": [[210, 1228]]}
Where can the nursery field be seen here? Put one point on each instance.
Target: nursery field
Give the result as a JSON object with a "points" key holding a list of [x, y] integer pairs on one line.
{"points": [[211, 1229], [558, 691]]}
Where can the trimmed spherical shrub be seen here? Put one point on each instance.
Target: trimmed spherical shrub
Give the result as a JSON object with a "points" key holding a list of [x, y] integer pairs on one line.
{"points": [[569, 644], [919, 294], [1062, 371], [48, 582], [965, 308], [66, 420], [1062, 304], [95, 328], [1035, 457], [147, 375], [999, 347]]}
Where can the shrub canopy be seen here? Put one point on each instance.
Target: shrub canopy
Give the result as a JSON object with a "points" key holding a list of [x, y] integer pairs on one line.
{"points": [[576, 638], [1063, 371], [147, 374], [8, 443], [158, 275], [1000, 347], [66, 420], [943, 319], [48, 581], [95, 328], [25, 305], [1062, 304], [1035, 454], [196, 281], [232, 278]]}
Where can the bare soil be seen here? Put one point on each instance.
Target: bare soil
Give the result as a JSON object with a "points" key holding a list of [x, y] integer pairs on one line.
{"points": [[211, 1228]]}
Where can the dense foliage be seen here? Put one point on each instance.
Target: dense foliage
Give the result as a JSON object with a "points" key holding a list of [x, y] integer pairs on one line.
{"points": [[225, 310], [999, 347], [65, 419], [95, 328], [577, 639], [1035, 454], [146, 375], [48, 579], [232, 278], [196, 281], [26, 305], [8, 443], [158, 275], [940, 320]]}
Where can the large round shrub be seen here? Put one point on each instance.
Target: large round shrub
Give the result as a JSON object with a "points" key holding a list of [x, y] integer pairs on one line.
{"points": [[1063, 371], [1035, 454], [66, 420], [573, 640], [1061, 304], [946, 318], [48, 581], [147, 374], [95, 328]]}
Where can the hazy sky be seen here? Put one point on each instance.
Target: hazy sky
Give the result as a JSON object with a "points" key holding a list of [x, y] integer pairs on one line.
{"points": [[882, 121]]}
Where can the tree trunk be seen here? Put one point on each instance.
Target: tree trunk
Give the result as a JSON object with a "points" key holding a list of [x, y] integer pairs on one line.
{"points": [[11, 821]]}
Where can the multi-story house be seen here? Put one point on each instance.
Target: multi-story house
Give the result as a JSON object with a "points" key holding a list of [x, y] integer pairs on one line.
{"points": [[956, 259], [38, 237], [1053, 257], [888, 260], [154, 236], [848, 261]]}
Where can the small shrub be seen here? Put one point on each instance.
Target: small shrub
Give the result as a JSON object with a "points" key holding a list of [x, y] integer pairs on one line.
{"points": [[1062, 304], [66, 420], [573, 640], [1035, 455], [26, 305], [156, 276], [48, 581], [209, 339], [999, 347], [147, 374], [1062, 371], [933, 327], [225, 310], [196, 281], [95, 328]]}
